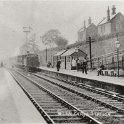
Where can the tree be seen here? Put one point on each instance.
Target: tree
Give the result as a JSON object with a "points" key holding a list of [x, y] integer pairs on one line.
{"points": [[60, 41], [53, 37], [49, 37]]}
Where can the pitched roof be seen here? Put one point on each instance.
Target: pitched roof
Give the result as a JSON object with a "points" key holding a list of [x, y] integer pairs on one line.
{"points": [[82, 29], [60, 53], [71, 51], [115, 15], [106, 21]]}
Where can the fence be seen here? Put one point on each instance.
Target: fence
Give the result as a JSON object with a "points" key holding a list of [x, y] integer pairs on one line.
{"points": [[109, 61]]}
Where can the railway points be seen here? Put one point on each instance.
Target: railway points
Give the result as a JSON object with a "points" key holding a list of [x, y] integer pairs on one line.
{"points": [[15, 107]]}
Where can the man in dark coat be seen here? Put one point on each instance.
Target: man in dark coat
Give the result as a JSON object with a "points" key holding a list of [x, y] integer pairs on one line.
{"points": [[84, 68], [100, 69], [58, 65]]}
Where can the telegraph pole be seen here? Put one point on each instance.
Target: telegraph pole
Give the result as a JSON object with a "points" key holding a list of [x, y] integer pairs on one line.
{"points": [[90, 50]]}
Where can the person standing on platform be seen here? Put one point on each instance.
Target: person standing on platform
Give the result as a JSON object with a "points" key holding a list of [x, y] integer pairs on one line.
{"points": [[78, 64], [84, 66], [73, 64], [58, 65]]}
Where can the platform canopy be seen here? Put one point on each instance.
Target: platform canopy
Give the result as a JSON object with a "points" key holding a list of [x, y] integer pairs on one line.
{"points": [[60, 53], [72, 51]]}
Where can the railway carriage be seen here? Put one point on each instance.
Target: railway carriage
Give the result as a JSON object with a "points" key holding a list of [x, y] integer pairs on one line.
{"points": [[32, 63], [28, 62]]}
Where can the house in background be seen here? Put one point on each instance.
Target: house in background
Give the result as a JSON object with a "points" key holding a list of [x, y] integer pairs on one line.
{"points": [[86, 32], [82, 33], [111, 24]]}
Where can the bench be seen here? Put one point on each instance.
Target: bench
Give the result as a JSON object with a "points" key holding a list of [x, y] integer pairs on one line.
{"points": [[109, 73], [113, 73]]}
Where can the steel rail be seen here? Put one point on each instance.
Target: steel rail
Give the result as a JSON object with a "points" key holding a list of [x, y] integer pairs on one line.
{"points": [[39, 108], [84, 115], [121, 111], [91, 88]]}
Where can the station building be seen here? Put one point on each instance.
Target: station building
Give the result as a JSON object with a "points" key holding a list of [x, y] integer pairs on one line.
{"points": [[66, 57]]}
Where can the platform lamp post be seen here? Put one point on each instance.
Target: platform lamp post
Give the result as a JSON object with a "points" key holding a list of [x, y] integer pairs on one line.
{"points": [[117, 44]]}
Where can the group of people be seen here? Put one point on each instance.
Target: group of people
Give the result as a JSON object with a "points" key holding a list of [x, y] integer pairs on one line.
{"points": [[76, 65]]}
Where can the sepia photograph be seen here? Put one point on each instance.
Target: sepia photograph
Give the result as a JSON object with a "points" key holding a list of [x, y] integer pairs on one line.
{"points": [[61, 62]]}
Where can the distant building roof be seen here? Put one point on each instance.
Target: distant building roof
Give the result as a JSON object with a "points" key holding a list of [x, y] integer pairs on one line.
{"points": [[106, 21], [91, 25], [60, 53], [103, 21], [83, 29], [112, 17]]}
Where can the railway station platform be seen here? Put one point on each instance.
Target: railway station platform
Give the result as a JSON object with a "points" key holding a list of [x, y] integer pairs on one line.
{"points": [[15, 107], [114, 82], [91, 75]]}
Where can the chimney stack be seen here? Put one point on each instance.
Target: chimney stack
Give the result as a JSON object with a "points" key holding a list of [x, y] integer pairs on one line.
{"points": [[89, 21], [113, 10], [108, 14]]}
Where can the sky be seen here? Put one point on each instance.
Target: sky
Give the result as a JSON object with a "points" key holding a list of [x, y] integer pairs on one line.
{"points": [[42, 15]]}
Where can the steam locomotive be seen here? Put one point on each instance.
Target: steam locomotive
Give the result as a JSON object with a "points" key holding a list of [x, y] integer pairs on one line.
{"points": [[28, 62]]}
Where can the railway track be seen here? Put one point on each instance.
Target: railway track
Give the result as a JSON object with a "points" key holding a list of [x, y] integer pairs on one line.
{"points": [[102, 111], [52, 107], [115, 99]]}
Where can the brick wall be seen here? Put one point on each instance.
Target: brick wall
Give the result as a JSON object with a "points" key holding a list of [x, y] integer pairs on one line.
{"points": [[103, 47], [50, 53], [98, 48]]}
